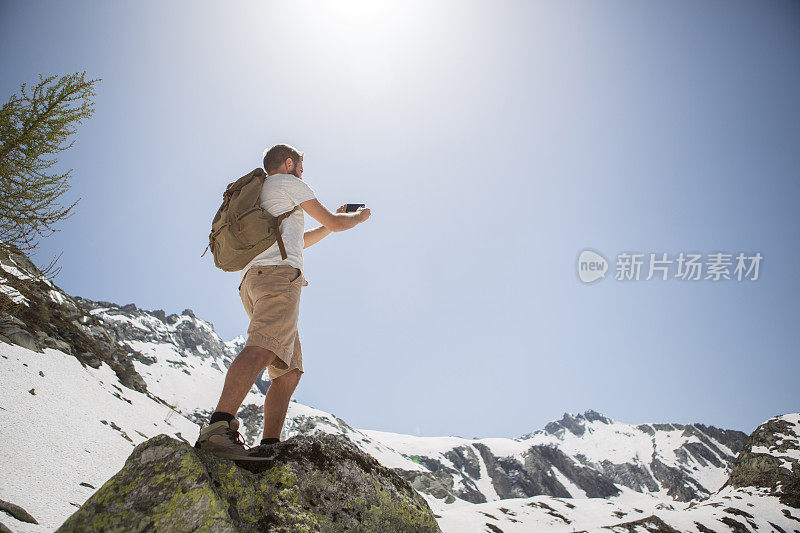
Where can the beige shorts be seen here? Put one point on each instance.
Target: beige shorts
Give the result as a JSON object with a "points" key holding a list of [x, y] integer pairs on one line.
{"points": [[271, 298]]}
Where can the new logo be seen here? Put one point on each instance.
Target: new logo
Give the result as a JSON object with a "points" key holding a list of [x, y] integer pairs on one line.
{"points": [[591, 266]]}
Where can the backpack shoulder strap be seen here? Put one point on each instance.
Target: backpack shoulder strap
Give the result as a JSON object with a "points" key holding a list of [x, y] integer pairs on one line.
{"points": [[278, 221]]}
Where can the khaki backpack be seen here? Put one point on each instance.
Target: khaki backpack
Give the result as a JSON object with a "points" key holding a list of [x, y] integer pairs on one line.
{"points": [[241, 229]]}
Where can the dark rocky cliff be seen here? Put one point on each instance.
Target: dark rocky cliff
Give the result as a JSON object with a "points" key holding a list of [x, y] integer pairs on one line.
{"points": [[771, 459], [44, 316]]}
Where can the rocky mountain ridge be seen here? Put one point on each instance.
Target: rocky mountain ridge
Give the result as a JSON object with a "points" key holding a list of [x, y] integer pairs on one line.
{"points": [[161, 345], [178, 362], [188, 334], [554, 463]]}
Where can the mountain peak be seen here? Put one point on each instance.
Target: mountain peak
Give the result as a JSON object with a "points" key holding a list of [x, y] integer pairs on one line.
{"points": [[594, 416], [576, 423]]}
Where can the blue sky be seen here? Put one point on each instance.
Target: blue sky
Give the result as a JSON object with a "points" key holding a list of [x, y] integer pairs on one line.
{"points": [[493, 142]]}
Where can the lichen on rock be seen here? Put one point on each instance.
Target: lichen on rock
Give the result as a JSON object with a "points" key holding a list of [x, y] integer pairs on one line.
{"points": [[318, 483]]}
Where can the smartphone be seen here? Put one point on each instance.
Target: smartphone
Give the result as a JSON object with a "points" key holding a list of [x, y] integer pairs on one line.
{"points": [[352, 207]]}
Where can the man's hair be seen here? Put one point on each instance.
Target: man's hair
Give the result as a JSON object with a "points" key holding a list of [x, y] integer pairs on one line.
{"points": [[274, 157]]}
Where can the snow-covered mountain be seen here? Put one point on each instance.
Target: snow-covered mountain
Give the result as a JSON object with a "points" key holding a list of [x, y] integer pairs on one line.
{"points": [[762, 493], [165, 350], [83, 382]]}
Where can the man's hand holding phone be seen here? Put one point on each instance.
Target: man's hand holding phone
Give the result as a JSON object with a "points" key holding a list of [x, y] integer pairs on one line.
{"points": [[360, 213]]}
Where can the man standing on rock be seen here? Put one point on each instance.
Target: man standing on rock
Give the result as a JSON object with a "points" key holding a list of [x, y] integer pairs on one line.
{"points": [[270, 291]]}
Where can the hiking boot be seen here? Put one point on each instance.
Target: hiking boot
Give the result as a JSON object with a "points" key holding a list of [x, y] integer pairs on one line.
{"points": [[224, 440], [265, 451]]}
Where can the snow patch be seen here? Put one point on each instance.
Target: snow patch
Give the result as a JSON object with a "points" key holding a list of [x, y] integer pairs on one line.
{"points": [[13, 294], [574, 490]]}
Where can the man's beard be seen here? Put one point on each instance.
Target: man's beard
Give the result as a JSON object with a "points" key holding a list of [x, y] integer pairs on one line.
{"points": [[294, 172]]}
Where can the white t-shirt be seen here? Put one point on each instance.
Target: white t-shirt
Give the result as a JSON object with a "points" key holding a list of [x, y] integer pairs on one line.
{"points": [[281, 193]]}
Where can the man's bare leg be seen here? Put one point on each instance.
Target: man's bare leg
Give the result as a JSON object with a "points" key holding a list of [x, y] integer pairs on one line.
{"points": [[241, 376], [277, 402]]}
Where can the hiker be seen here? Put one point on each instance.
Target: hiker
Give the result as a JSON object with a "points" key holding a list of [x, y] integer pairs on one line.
{"points": [[270, 291]]}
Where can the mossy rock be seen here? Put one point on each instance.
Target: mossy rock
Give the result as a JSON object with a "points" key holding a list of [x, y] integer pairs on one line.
{"points": [[313, 483]]}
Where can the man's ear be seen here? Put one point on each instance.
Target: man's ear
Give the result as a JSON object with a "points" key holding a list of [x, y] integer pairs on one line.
{"points": [[289, 164]]}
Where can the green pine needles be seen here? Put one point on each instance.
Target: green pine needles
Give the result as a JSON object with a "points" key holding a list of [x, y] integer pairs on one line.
{"points": [[35, 126]]}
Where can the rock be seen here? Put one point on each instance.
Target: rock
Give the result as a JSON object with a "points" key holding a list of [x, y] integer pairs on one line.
{"points": [[19, 336], [733, 439], [319, 483], [464, 458], [60, 327], [679, 486], [17, 512], [569, 422], [139, 356], [55, 344], [71, 308], [89, 359], [437, 484], [6, 319], [768, 460], [514, 479], [651, 523], [591, 415], [595, 485], [128, 377], [117, 358], [188, 312], [631, 475], [22, 262]]}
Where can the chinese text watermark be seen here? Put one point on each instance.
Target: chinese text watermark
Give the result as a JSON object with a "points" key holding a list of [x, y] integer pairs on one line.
{"points": [[685, 266]]}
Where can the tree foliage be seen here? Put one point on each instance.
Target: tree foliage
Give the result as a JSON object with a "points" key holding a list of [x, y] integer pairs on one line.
{"points": [[35, 126]]}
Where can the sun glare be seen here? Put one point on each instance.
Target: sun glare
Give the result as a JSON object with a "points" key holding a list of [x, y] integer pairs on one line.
{"points": [[366, 37]]}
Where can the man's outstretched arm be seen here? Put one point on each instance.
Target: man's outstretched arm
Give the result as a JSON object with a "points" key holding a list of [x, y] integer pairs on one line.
{"points": [[313, 236], [338, 221]]}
